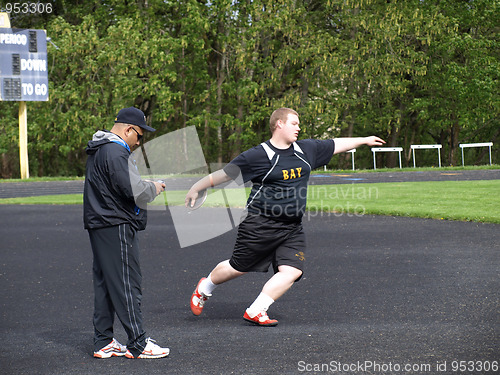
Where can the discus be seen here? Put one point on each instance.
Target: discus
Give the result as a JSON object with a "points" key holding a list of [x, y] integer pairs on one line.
{"points": [[202, 197]]}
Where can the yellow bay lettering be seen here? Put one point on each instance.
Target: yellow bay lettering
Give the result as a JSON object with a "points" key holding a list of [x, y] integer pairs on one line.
{"points": [[292, 173]]}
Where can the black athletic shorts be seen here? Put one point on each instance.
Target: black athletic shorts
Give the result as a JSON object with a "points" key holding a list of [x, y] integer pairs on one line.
{"points": [[262, 241]]}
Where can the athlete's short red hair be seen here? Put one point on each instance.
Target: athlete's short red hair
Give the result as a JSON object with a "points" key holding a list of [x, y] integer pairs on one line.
{"points": [[280, 114]]}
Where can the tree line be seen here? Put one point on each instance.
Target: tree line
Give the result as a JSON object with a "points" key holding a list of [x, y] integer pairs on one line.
{"points": [[412, 72]]}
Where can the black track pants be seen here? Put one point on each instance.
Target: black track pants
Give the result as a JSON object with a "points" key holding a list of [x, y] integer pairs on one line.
{"points": [[117, 285]]}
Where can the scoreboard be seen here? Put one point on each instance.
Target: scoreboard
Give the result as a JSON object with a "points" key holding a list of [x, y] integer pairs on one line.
{"points": [[23, 65]]}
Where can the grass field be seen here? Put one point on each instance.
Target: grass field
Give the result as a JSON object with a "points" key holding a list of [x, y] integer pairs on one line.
{"points": [[450, 200]]}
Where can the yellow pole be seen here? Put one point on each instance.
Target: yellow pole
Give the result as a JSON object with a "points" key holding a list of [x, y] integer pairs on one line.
{"points": [[4, 20], [23, 140]]}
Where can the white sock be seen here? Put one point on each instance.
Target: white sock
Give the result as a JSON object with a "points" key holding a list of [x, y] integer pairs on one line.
{"points": [[261, 303], [207, 286]]}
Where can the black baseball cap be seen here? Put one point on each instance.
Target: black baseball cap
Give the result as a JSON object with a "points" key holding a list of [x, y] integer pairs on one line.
{"points": [[133, 116]]}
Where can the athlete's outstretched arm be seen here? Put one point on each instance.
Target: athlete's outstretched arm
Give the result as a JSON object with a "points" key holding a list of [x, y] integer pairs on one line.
{"points": [[213, 179], [346, 144]]}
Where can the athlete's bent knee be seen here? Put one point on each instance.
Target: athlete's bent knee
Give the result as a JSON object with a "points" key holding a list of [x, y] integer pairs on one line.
{"points": [[294, 273]]}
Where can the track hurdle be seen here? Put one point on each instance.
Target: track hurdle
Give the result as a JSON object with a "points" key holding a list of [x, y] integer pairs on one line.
{"points": [[352, 156], [466, 145], [386, 149], [419, 147]]}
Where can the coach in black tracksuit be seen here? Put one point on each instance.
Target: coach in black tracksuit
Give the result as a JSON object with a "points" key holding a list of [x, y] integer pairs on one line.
{"points": [[113, 195]]}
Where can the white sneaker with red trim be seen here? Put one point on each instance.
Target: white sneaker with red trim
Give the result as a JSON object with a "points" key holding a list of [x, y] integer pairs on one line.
{"points": [[152, 350], [113, 349]]}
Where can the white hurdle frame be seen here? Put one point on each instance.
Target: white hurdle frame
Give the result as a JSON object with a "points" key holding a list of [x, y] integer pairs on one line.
{"points": [[386, 149], [466, 145], [419, 147], [352, 157]]}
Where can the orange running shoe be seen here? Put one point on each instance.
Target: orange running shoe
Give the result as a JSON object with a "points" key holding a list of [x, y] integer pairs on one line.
{"points": [[198, 299], [261, 319]]}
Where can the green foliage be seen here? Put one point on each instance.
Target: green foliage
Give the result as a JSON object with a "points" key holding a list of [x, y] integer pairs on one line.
{"points": [[413, 72]]}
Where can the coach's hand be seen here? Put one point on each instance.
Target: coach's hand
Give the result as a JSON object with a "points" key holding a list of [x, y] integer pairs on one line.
{"points": [[160, 186]]}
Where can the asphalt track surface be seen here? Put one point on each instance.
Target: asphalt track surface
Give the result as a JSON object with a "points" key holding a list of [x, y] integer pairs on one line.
{"points": [[379, 293]]}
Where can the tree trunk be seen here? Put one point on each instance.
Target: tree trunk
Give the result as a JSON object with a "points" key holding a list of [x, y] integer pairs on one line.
{"points": [[454, 133]]}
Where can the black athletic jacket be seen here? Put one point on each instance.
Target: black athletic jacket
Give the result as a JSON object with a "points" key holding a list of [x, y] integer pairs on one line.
{"points": [[111, 183]]}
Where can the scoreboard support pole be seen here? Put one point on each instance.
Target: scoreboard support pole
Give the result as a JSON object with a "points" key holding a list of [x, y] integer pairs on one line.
{"points": [[23, 140]]}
